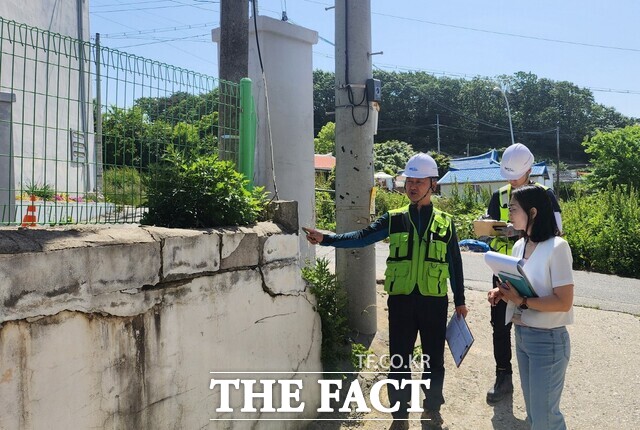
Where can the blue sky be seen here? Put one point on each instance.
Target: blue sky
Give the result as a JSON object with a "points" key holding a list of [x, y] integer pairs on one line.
{"points": [[594, 44]]}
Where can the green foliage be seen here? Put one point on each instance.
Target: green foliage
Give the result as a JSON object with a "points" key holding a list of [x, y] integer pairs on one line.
{"points": [[471, 114], [123, 186], [359, 354], [603, 230], [442, 161], [465, 206], [615, 156], [391, 156], [387, 200], [45, 191], [325, 143], [138, 136], [332, 307], [191, 191], [325, 211]]}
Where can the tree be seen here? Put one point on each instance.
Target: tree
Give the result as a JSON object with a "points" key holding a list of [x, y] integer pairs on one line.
{"points": [[324, 96], [325, 143], [122, 136], [615, 156], [391, 156], [471, 114]]}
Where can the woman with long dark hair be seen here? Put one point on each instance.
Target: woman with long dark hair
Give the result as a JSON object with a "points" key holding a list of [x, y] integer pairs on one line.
{"points": [[542, 341]]}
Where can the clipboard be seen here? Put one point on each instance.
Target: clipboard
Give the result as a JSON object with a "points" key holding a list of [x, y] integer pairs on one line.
{"points": [[488, 227], [459, 338], [510, 269]]}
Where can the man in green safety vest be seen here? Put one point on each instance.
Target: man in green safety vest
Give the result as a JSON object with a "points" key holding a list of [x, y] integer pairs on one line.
{"points": [[423, 255], [515, 167]]}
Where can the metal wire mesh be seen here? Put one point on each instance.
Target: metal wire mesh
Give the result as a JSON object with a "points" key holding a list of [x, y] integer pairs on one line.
{"points": [[80, 125]]}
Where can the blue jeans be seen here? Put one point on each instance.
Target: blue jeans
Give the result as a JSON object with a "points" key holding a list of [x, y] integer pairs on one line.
{"points": [[543, 356]]}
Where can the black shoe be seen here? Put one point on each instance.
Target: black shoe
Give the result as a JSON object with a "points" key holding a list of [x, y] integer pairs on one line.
{"points": [[501, 389], [432, 420], [399, 425]]}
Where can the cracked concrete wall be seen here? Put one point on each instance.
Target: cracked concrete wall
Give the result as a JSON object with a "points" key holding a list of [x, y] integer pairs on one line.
{"points": [[120, 327]]}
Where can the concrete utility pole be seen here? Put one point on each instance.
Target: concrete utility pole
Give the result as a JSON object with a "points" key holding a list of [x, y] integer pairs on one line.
{"points": [[234, 65], [354, 158]]}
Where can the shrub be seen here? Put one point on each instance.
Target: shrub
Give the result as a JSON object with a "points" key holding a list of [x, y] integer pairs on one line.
{"points": [[387, 200], [603, 230], [191, 191], [465, 206], [325, 211], [123, 186]]}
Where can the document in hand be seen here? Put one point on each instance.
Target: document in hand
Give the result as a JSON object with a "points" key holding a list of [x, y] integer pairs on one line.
{"points": [[459, 338], [510, 269]]}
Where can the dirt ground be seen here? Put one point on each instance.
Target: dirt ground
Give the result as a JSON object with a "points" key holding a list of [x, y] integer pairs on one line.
{"points": [[602, 388]]}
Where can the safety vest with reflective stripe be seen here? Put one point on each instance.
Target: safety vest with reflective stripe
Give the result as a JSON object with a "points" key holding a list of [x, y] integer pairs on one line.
{"points": [[500, 243], [415, 260]]}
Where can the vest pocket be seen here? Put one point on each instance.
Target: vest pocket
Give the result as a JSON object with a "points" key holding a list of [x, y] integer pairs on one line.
{"points": [[434, 279], [399, 245], [397, 277], [437, 250]]}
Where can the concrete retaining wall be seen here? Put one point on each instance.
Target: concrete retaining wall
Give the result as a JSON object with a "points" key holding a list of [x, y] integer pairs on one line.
{"points": [[119, 327]]}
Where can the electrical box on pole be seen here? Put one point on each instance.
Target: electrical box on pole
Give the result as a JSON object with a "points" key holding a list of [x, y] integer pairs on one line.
{"points": [[374, 90]]}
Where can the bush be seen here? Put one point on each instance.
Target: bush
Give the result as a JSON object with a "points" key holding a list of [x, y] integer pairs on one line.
{"points": [[603, 230], [387, 200], [123, 186], [465, 208], [325, 211], [191, 191]]}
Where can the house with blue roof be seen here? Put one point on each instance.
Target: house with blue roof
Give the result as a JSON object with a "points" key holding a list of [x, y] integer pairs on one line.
{"points": [[483, 172]]}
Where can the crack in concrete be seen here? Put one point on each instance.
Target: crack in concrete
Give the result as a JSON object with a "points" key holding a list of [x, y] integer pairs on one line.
{"points": [[272, 316]]}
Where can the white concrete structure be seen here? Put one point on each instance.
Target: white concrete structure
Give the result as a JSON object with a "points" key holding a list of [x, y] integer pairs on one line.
{"points": [[124, 327], [52, 119], [286, 130]]}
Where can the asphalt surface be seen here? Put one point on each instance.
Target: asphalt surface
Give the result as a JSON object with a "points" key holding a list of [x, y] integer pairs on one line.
{"points": [[594, 290]]}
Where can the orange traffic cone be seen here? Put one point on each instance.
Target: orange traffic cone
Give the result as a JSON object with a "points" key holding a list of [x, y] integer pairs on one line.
{"points": [[29, 220]]}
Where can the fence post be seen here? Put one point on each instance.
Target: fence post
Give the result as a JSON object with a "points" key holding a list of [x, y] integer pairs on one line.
{"points": [[247, 131], [7, 172]]}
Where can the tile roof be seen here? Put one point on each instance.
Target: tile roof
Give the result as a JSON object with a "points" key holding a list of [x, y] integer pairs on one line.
{"points": [[488, 159], [324, 161]]}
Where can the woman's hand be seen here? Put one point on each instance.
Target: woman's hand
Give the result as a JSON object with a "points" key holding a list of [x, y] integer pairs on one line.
{"points": [[313, 236], [510, 293]]}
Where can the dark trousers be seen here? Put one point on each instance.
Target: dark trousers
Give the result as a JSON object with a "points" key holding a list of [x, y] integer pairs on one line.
{"points": [[408, 316], [501, 335]]}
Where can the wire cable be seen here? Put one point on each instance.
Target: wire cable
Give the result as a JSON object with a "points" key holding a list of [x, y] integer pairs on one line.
{"points": [[266, 99]]}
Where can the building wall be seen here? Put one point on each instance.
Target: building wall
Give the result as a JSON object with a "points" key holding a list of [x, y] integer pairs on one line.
{"points": [[120, 327], [49, 76]]}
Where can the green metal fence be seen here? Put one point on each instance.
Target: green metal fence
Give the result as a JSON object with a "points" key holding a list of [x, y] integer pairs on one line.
{"points": [[80, 125]]}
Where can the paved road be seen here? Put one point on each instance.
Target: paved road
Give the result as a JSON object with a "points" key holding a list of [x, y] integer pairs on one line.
{"points": [[606, 292]]}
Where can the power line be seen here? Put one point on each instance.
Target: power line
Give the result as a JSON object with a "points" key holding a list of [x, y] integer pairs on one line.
{"points": [[499, 33], [157, 30], [175, 39]]}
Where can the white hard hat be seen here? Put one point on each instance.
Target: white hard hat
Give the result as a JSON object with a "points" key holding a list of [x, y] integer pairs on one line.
{"points": [[516, 162], [421, 166]]}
